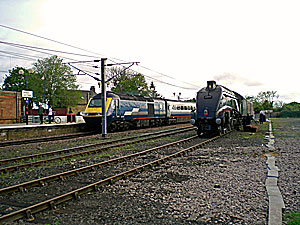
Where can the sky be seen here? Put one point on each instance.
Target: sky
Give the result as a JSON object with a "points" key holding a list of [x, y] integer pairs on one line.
{"points": [[247, 46]]}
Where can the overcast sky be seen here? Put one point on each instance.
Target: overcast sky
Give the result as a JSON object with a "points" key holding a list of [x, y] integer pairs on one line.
{"points": [[248, 46]]}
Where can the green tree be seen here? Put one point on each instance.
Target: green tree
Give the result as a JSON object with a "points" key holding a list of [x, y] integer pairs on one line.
{"points": [[264, 100], [53, 84], [49, 82], [267, 98], [293, 106], [257, 106], [128, 82], [15, 81]]}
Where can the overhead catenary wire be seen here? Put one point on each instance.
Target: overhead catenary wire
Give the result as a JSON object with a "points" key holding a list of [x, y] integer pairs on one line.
{"points": [[48, 39], [58, 42], [18, 54], [72, 46], [45, 49], [46, 53], [18, 57], [167, 76], [33, 48]]}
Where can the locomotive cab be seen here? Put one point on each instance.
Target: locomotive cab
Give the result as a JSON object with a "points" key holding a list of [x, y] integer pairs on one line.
{"points": [[93, 112]]}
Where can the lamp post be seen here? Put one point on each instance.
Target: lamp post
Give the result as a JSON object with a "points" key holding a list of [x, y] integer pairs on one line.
{"points": [[152, 90], [43, 78], [25, 93]]}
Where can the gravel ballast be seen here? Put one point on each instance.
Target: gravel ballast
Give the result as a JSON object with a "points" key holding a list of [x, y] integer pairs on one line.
{"points": [[222, 183]]}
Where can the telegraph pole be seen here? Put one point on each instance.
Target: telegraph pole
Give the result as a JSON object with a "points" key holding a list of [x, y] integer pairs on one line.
{"points": [[103, 85], [103, 95]]}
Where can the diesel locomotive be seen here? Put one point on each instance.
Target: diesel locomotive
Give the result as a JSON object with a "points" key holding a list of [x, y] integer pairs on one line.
{"points": [[130, 111], [220, 109]]}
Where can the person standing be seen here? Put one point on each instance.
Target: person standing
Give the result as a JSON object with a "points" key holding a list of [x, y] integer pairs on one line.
{"points": [[41, 112], [261, 117], [50, 114]]}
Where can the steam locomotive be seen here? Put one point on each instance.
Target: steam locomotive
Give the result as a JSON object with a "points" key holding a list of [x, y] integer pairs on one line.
{"points": [[220, 109], [130, 111]]}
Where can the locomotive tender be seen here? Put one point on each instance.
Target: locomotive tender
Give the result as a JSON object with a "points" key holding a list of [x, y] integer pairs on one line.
{"points": [[220, 109], [130, 111]]}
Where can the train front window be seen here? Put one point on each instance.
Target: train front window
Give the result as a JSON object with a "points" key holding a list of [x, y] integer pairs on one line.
{"points": [[95, 103]]}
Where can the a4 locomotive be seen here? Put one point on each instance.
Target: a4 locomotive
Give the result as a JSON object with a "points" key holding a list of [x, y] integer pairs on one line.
{"points": [[220, 109], [130, 111]]}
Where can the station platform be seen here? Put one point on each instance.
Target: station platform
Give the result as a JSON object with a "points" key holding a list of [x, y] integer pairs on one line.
{"points": [[63, 120], [34, 130]]}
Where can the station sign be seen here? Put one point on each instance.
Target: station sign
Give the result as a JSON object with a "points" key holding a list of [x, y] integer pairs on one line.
{"points": [[27, 94]]}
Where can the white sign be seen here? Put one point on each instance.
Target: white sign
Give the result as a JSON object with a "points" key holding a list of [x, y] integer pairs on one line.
{"points": [[27, 94]]}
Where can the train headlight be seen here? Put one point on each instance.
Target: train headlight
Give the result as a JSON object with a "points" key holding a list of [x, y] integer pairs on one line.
{"points": [[205, 112], [218, 121]]}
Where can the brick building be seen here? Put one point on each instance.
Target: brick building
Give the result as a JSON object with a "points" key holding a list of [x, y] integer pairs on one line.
{"points": [[10, 107]]}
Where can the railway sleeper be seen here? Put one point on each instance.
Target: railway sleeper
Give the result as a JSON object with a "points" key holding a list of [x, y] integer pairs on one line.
{"points": [[96, 186]]}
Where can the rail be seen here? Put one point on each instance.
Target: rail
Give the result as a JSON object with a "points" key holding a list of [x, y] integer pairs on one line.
{"points": [[75, 194], [37, 163]]}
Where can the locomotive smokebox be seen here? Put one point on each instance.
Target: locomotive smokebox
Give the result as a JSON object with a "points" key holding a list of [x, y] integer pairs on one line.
{"points": [[211, 84]]}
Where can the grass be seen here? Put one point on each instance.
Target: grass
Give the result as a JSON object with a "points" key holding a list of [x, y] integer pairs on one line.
{"points": [[104, 155], [292, 218]]}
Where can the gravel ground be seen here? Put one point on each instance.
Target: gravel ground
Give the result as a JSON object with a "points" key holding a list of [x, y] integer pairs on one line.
{"points": [[222, 183], [287, 134]]}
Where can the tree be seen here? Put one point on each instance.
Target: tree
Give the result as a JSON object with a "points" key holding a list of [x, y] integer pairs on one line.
{"points": [[53, 84], [264, 100], [293, 106], [128, 81], [16, 81], [267, 98], [49, 82], [257, 106]]}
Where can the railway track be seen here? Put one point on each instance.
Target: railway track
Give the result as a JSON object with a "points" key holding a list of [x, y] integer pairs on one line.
{"points": [[153, 159], [44, 139], [51, 138], [84, 150]]}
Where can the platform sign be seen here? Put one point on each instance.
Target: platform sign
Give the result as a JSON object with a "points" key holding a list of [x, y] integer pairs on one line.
{"points": [[27, 94]]}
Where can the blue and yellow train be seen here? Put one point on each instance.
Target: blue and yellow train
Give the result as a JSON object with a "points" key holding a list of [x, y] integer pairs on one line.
{"points": [[130, 111]]}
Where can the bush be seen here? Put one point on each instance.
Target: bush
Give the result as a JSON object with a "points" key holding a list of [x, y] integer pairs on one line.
{"points": [[293, 114]]}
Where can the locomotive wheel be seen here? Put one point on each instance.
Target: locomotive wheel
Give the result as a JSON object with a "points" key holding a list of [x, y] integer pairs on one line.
{"points": [[113, 127], [229, 126], [220, 130]]}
